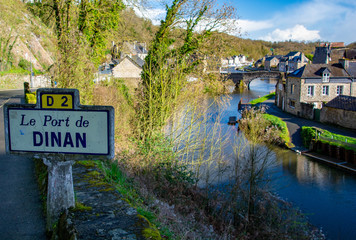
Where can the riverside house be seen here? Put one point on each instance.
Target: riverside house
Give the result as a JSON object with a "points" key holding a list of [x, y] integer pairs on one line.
{"points": [[306, 90], [292, 61]]}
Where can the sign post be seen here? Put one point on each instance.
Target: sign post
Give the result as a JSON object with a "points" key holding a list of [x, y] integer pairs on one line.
{"points": [[61, 131]]}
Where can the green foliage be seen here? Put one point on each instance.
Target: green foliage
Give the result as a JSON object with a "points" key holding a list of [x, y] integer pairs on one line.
{"points": [[307, 134], [6, 55], [30, 98], [167, 67], [264, 128], [262, 99], [280, 125], [310, 133], [24, 64], [309, 56], [95, 20], [14, 70]]}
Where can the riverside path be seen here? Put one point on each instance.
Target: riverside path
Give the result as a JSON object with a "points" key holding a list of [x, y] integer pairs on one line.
{"points": [[21, 213], [295, 124]]}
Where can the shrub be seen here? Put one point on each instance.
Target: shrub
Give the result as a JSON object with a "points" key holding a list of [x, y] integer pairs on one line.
{"points": [[308, 133], [280, 125], [24, 64], [30, 98]]}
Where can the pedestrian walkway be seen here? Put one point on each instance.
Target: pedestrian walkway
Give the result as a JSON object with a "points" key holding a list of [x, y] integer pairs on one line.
{"points": [[21, 213]]}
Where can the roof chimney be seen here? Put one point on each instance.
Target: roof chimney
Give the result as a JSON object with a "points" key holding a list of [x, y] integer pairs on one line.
{"points": [[345, 63]]}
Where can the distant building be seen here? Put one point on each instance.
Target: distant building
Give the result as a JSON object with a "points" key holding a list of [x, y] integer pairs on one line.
{"points": [[128, 68], [333, 45], [271, 62], [292, 61], [234, 61], [131, 49]]}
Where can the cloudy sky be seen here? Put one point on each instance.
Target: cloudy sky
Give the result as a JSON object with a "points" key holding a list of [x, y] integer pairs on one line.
{"points": [[280, 20]]}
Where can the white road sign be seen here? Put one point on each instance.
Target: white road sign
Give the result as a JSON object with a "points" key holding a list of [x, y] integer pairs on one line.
{"points": [[59, 131]]}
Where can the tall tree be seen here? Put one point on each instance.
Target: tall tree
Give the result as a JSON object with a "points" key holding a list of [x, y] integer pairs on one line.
{"points": [[170, 61]]}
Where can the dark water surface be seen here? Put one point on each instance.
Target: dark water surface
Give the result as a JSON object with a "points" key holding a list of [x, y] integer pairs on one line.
{"points": [[325, 194]]}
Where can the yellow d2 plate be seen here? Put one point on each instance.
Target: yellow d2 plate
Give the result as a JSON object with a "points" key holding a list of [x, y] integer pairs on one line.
{"points": [[57, 101]]}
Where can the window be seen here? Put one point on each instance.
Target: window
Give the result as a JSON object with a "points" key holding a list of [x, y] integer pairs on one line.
{"points": [[292, 88], [339, 90], [292, 104], [325, 90], [310, 90], [326, 77]]}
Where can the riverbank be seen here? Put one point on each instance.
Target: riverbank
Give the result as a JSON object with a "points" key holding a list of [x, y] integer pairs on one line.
{"points": [[295, 125]]}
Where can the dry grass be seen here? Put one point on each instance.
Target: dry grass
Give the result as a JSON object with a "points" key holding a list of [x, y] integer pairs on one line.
{"points": [[124, 113]]}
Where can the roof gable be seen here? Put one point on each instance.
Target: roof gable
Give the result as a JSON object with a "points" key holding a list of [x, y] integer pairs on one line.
{"points": [[317, 70]]}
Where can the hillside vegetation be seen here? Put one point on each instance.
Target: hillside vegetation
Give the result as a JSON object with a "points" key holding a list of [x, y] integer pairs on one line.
{"points": [[24, 38]]}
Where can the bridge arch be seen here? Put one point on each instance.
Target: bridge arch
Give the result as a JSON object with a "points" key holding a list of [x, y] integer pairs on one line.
{"points": [[248, 77]]}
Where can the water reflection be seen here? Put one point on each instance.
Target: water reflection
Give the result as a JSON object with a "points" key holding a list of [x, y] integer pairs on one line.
{"points": [[326, 194]]}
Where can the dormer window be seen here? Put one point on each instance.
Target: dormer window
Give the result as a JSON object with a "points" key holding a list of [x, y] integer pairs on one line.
{"points": [[326, 77]]}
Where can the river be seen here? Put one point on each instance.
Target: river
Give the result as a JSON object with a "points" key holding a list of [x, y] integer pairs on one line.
{"points": [[325, 194]]}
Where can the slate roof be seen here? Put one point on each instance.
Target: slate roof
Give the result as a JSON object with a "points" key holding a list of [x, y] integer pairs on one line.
{"points": [[316, 70], [138, 61], [352, 69], [270, 58], [293, 54], [343, 102]]}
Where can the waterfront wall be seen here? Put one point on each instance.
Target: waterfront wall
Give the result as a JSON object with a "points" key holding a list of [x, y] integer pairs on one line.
{"points": [[340, 117], [340, 153]]}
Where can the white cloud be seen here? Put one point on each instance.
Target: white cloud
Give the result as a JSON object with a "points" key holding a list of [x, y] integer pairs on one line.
{"points": [[251, 26], [333, 20], [297, 33], [155, 14]]}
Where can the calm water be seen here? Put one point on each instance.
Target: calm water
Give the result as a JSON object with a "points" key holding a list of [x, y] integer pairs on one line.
{"points": [[325, 194]]}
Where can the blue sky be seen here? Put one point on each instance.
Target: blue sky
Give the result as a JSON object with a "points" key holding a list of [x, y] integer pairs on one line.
{"points": [[280, 20]]}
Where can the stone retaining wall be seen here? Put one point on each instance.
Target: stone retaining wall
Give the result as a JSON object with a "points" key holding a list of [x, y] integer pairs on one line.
{"points": [[101, 212], [340, 153]]}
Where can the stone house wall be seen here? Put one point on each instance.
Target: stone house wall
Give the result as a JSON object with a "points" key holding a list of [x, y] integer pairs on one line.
{"points": [[292, 104], [307, 110], [127, 69], [353, 89], [338, 116], [318, 98]]}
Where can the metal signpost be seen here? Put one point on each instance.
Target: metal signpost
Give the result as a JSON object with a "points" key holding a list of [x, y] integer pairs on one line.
{"points": [[60, 130]]}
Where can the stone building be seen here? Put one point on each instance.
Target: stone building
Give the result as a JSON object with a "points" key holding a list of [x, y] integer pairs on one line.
{"points": [[292, 61], [340, 111], [129, 69], [305, 90], [272, 62]]}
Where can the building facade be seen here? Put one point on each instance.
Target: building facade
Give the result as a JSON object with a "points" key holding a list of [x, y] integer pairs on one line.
{"points": [[311, 86]]}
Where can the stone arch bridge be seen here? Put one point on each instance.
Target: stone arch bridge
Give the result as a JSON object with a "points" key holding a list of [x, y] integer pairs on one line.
{"points": [[247, 77]]}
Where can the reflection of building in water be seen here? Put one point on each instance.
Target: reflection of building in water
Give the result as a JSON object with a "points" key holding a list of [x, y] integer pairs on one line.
{"points": [[308, 171]]}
